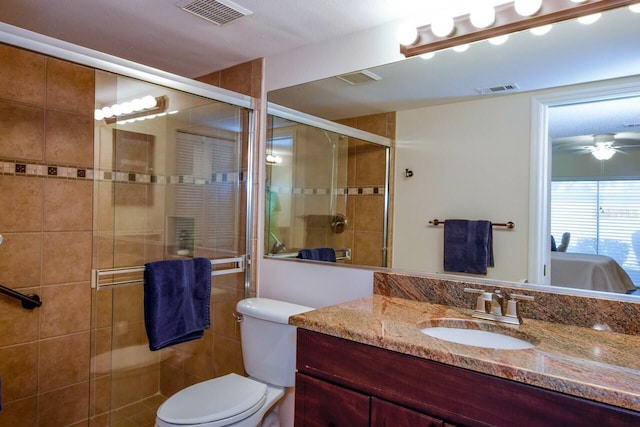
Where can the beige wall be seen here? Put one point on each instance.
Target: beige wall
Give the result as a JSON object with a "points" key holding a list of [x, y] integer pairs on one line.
{"points": [[470, 161]]}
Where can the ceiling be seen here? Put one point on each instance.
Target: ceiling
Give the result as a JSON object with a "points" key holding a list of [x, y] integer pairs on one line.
{"points": [[159, 34]]}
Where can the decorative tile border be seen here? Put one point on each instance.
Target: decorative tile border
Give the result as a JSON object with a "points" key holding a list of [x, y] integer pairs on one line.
{"points": [[19, 168], [340, 191]]}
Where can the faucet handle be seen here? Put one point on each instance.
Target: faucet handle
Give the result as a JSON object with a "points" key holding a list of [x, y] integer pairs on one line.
{"points": [[513, 307], [481, 297]]}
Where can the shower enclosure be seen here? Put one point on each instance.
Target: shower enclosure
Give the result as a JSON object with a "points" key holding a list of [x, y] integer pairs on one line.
{"points": [[169, 183], [325, 188]]}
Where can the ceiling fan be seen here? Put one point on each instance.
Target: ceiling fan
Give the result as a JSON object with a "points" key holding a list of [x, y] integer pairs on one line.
{"points": [[602, 145]]}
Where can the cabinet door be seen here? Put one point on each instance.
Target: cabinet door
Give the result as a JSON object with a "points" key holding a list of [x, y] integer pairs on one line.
{"points": [[322, 404], [386, 414]]}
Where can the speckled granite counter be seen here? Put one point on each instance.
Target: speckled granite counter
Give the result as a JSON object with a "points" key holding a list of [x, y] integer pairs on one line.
{"points": [[597, 365]]}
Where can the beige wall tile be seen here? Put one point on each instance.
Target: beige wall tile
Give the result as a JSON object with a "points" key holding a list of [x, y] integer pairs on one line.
{"points": [[370, 165], [369, 213], [18, 325], [70, 87], [63, 361], [20, 259], [66, 257], [100, 395], [22, 135], [69, 138], [64, 406], [227, 356], [128, 304], [23, 413], [21, 200], [67, 205], [367, 248], [67, 309], [20, 365], [22, 75]]}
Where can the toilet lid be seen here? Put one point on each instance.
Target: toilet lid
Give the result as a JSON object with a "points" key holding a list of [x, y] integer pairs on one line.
{"points": [[229, 396]]}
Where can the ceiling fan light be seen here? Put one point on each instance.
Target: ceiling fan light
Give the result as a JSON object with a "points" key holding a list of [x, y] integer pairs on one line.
{"points": [[527, 7], [603, 152]]}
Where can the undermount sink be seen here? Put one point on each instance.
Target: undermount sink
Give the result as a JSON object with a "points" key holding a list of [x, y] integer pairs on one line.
{"points": [[477, 334]]}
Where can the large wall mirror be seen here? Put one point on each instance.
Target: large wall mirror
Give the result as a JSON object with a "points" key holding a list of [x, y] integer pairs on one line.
{"points": [[467, 129]]}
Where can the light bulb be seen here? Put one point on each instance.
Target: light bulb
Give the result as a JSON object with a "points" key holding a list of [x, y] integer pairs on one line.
{"points": [[527, 7], [603, 152], [116, 109], [149, 101], [539, 31], [442, 26], [589, 19], [498, 40], [98, 114], [137, 105], [406, 34], [483, 16], [635, 8], [428, 55], [126, 108], [461, 47], [106, 112]]}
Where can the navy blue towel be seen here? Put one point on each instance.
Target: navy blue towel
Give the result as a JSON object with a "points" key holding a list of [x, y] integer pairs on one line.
{"points": [[318, 254], [177, 296], [468, 246]]}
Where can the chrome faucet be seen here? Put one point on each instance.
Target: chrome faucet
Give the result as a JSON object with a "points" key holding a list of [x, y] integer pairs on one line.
{"points": [[498, 306]]}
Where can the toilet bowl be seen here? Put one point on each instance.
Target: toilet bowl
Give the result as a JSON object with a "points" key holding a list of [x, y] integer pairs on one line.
{"points": [[268, 344], [231, 400]]}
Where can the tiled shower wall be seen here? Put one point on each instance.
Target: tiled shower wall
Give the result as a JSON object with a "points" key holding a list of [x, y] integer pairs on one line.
{"points": [[46, 149], [46, 161], [365, 170]]}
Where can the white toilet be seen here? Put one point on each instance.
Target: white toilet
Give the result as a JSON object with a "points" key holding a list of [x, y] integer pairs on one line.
{"points": [[268, 351]]}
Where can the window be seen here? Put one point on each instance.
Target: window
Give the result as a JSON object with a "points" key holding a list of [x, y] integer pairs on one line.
{"points": [[603, 218]]}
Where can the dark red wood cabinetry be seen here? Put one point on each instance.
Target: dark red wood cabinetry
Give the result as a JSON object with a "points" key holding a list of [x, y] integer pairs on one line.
{"points": [[344, 383]]}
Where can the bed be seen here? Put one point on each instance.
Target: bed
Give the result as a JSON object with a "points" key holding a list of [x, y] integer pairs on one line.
{"points": [[588, 271]]}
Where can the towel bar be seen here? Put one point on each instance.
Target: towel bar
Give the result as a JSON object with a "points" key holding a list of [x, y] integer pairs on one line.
{"points": [[341, 254], [133, 275], [508, 224]]}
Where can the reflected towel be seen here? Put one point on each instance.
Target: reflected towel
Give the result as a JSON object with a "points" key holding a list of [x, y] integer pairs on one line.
{"points": [[318, 254], [177, 296], [468, 246]]}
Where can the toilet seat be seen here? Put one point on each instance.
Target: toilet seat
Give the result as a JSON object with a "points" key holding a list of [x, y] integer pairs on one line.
{"points": [[219, 401]]}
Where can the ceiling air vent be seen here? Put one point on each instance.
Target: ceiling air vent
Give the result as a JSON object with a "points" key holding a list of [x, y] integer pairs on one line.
{"points": [[497, 89], [359, 77], [219, 12]]}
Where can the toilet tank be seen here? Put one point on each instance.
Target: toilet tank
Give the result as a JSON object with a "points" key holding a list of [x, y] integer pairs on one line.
{"points": [[268, 341]]}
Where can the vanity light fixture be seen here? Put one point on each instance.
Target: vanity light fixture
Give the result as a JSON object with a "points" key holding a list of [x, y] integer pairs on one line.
{"points": [[635, 8], [589, 19], [428, 55], [273, 160], [443, 26], [527, 7], [498, 40], [407, 34], [137, 108], [461, 47], [486, 22], [541, 31]]}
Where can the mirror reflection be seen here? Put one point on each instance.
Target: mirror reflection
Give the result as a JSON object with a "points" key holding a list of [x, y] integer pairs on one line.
{"points": [[326, 195], [463, 126]]}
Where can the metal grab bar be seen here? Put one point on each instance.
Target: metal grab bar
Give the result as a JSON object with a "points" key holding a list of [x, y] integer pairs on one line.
{"points": [[29, 301], [509, 224], [97, 274]]}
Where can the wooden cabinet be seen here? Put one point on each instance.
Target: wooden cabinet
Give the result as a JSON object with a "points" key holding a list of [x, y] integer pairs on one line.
{"points": [[344, 383]]}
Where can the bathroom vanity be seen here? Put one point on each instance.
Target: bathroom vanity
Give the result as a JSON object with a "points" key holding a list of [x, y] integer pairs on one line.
{"points": [[365, 362]]}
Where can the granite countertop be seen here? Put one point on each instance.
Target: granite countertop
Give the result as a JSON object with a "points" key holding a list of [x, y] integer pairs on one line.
{"points": [[594, 364]]}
